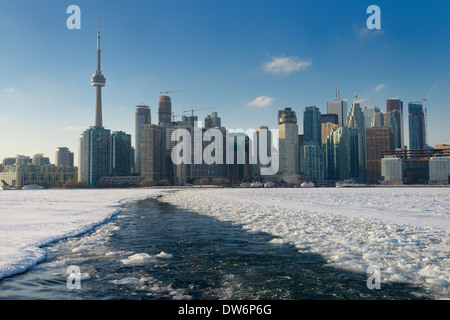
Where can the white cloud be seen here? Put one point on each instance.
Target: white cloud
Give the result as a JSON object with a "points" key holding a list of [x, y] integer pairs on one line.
{"points": [[286, 65], [73, 128], [380, 87], [363, 100], [261, 102]]}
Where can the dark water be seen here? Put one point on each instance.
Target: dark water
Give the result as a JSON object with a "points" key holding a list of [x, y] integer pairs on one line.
{"points": [[203, 259]]}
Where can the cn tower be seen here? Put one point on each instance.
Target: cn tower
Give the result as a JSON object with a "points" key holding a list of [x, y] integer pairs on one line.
{"points": [[98, 81]]}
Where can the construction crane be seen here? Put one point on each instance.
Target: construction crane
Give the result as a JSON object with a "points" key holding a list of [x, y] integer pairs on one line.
{"points": [[175, 115], [193, 110], [167, 92], [424, 99]]}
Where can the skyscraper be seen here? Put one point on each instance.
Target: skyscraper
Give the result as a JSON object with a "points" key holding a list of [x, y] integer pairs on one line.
{"points": [[153, 151], [312, 161], [416, 118], [95, 155], [288, 143], [312, 130], [142, 116], [369, 113], [355, 124], [337, 155], [396, 107], [164, 110], [95, 143], [339, 107]]}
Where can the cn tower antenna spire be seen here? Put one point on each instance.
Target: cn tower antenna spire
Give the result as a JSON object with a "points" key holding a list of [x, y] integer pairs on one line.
{"points": [[98, 81]]}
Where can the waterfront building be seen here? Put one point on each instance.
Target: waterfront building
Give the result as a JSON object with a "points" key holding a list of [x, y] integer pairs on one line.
{"points": [[19, 176], [121, 154], [392, 170], [439, 170], [94, 155]]}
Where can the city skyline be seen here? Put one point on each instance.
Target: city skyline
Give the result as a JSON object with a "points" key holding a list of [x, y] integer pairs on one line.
{"points": [[256, 83]]}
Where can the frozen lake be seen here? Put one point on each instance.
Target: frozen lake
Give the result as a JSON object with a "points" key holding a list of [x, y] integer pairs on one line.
{"points": [[403, 231]]}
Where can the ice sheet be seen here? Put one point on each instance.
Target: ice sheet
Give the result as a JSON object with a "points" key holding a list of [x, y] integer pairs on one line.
{"points": [[30, 219]]}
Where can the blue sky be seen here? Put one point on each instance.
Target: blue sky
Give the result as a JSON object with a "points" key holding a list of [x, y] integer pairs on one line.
{"points": [[246, 59]]}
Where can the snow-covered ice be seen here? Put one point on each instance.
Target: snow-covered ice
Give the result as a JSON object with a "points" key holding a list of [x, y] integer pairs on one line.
{"points": [[30, 219], [404, 231]]}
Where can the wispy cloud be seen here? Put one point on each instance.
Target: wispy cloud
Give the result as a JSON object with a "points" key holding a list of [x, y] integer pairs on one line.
{"points": [[363, 100], [364, 32], [261, 102], [73, 128], [379, 87], [11, 91], [286, 65]]}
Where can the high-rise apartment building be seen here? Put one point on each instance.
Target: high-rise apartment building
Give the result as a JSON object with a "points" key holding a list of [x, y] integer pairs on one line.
{"points": [[94, 155], [416, 119], [288, 142], [121, 154], [40, 160], [153, 151], [142, 116], [64, 158], [395, 106]]}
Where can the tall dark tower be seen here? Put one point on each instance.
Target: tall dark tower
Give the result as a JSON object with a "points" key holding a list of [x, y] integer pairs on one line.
{"points": [[164, 110], [395, 106], [98, 81]]}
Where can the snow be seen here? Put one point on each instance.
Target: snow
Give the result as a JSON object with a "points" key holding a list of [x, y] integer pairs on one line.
{"points": [[30, 219], [405, 231]]}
